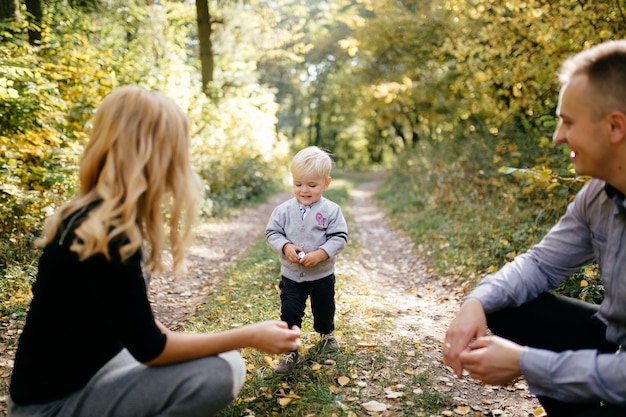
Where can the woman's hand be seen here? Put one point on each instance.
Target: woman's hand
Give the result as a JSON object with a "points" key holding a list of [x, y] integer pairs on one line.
{"points": [[274, 337], [267, 336]]}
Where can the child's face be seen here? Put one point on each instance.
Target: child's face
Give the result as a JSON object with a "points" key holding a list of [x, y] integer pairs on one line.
{"points": [[308, 189]]}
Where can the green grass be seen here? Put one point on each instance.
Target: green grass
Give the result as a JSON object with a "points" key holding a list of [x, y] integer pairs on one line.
{"points": [[249, 293]]}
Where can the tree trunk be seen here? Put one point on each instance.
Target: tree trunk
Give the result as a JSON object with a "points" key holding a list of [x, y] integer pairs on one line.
{"points": [[9, 9], [9, 15], [206, 44], [33, 7]]}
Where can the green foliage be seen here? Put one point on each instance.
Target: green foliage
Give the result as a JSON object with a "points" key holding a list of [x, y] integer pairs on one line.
{"points": [[236, 151], [37, 157], [489, 183], [470, 218], [19, 270], [234, 177], [365, 75], [313, 76], [48, 95], [585, 285]]}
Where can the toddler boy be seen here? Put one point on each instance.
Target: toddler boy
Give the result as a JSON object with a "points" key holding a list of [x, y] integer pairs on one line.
{"points": [[308, 231]]}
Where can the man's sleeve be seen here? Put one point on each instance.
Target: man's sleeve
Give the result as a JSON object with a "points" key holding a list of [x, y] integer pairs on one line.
{"points": [[576, 376]]}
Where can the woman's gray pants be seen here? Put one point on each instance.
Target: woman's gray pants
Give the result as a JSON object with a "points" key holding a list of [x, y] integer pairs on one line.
{"points": [[127, 388]]}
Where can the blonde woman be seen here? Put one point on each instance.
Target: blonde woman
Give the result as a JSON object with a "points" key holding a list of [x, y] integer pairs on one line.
{"points": [[91, 345]]}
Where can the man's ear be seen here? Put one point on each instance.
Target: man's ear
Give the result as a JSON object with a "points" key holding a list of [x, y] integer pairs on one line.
{"points": [[618, 127]]}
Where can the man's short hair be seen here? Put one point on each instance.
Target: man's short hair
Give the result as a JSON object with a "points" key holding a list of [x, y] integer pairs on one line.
{"points": [[605, 67]]}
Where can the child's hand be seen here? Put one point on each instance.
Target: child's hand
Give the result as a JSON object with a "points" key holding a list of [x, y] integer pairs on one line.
{"points": [[313, 258], [291, 252]]}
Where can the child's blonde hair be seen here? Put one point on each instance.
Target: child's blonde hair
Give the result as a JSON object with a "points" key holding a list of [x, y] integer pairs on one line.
{"points": [[312, 161], [137, 155]]}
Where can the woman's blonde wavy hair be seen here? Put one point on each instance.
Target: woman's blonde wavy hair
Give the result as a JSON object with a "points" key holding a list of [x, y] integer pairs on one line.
{"points": [[137, 164]]}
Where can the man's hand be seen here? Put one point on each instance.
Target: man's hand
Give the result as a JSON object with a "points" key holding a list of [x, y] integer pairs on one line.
{"points": [[493, 360], [470, 323]]}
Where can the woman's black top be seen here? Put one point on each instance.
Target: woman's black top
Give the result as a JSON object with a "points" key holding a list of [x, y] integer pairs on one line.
{"points": [[82, 314]]}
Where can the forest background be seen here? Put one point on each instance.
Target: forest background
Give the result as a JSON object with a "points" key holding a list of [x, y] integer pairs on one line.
{"points": [[454, 100]]}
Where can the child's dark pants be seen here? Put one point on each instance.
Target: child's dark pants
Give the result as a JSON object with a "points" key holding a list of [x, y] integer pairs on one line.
{"points": [[293, 296]]}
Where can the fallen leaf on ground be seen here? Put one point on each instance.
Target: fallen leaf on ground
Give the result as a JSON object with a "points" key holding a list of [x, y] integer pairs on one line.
{"points": [[285, 399], [374, 406], [393, 394], [284, 402], [462, 410]]}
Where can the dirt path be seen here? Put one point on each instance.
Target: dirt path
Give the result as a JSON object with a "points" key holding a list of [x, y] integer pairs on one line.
{"points": [[422, 303], [217, 247]]}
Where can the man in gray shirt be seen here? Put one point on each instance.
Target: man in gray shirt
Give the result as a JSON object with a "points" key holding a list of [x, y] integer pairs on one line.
{"points": [[569, 352]]}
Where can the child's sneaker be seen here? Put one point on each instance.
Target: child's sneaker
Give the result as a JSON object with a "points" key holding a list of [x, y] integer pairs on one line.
{"points": [[287, 363], [329, 343]]}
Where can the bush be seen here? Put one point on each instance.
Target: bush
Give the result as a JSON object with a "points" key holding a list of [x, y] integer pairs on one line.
{"points": [[470, 213]]}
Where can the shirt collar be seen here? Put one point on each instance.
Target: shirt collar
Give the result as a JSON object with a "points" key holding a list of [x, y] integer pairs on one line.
{"points": [[303, 207], [617, 196]]}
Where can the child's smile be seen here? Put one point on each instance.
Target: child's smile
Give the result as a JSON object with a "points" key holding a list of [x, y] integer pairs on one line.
{"points": [[308, 189]]}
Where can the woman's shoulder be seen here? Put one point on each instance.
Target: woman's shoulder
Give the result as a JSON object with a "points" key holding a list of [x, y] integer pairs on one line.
{"points": [[70, 222]]}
